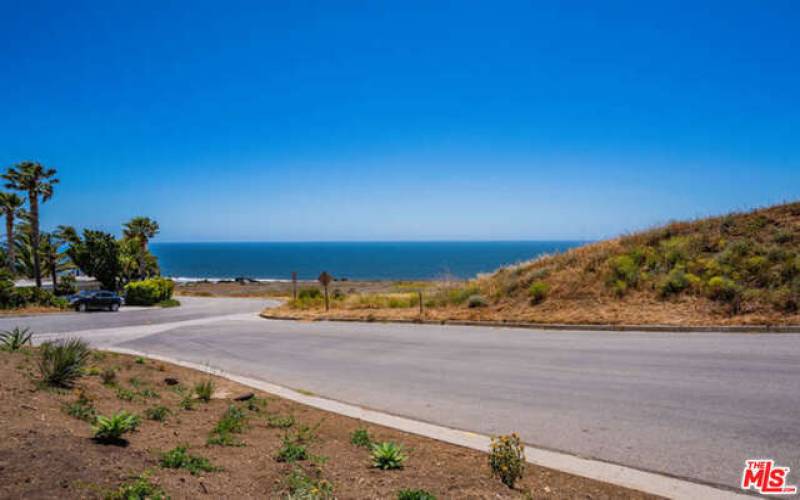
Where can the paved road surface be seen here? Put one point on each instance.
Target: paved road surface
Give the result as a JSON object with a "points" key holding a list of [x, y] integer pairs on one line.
{"points": [[690, 405]]}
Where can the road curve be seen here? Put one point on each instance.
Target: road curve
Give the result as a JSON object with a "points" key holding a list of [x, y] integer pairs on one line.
{"points": [[692, 405]]}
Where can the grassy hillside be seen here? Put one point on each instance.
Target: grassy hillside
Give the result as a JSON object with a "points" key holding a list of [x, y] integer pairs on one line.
{"points": [[742, 268]]}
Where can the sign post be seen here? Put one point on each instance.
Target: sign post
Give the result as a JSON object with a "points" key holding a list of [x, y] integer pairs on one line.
{"points": [[326, 279]]}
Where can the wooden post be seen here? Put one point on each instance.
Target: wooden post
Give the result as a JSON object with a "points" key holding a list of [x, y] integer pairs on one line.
{"points": [[294, 285], [421, 313], [326, 279]]}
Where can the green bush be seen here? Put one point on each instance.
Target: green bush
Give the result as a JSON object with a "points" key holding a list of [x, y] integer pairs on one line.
{"points": [[157, 413], [309, 293], [66, 286], [110, 429], [232, 422], [415, 495], [360, 437], [388, 456], [675, 282], [475, 301], [538, 292], [61, 363], [623, 268], [15, 339], [507, 459], [178, 458], [723, 289], [148, 292], [13, 298], [291, 451], [204, 390], [109, 377]]}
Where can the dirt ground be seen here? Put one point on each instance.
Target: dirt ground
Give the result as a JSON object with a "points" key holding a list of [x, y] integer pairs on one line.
{"points": [[281, 289], [45, 453]]}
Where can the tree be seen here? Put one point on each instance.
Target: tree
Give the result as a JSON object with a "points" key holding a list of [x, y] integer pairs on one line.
{"points": [[11, 205], [97, 255], [142, 230], [37, 181]]}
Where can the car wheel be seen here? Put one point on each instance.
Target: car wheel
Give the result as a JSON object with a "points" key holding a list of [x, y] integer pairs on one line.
{"points": [[81, 307], [114, 307]]}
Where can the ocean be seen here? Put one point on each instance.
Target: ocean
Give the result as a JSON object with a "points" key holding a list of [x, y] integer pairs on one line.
{"points": [[351, 260]]}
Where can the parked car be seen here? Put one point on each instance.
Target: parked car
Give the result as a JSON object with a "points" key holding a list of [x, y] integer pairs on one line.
{"points": [[95, 299]]}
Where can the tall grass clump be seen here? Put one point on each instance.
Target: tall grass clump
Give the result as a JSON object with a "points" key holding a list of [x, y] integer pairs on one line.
{"points": [[62, 362], [204, 390]]}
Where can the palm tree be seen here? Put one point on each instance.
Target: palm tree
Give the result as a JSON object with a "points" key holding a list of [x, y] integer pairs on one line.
{"points": [[11, 205], [141, 229], [37, 181]]}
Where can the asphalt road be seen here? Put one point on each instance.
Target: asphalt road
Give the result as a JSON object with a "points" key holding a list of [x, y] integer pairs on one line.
{"points": [[692, 405]]}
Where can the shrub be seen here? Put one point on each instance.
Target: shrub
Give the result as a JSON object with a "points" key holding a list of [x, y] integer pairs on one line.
{"points": [[110, 429], [125, 394], [204, 390], [11, 297], [66, 286], [538, 292], [291, 451], [139, 489], [302, 486], [475, 301], [109, 376], [15, 339], [507, 459], [61, 363], [149, 292], [415, 495], [178, 458], [139, 360], [388, 456], [309, 293], [724, 290], [279, 421], [623, 268], [157, 413], [81, 409], [232, 422], [360, 437], [673, 283]]}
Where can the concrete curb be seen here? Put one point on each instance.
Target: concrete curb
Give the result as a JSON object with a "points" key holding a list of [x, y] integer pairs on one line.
{"points": [[648, 482], [564, 327]]}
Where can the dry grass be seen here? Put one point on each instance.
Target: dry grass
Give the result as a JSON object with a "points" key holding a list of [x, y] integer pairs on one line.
{"points": [[738, 269]]}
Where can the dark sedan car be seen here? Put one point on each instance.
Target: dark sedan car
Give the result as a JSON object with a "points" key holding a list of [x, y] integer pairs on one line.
{"points": [[95, 299]]}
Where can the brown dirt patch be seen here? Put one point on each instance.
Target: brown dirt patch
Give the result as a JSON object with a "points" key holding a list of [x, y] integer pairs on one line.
{"points": [[44, 453]]}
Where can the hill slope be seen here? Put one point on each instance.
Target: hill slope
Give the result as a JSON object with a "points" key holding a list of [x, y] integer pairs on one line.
{"points": [[741, 268]]}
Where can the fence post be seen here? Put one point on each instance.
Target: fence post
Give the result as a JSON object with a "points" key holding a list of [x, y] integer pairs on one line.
{"points": [[294, 285]]}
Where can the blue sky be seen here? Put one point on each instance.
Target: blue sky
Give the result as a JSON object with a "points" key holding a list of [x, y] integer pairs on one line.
{"points": [[402, 120]]}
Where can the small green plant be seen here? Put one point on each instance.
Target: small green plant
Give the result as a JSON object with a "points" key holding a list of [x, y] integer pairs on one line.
{"points": [[15, 339], [388, 456], [256, 404], [157, 413], [186, 402], [204, 390], [301, 486], [415, 495], [149, 393], [178, 458], [507, 458], [135, 382], [125, 394], [81, 408], [109, 377], [279, 421], [61, 363], [139, 489], [139, 360], [232, 422], [111, 429], [291, 451], [538, 292], [360, 437]]}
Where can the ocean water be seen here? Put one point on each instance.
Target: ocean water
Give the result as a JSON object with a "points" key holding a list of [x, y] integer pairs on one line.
{"points": [[352, 260]]}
